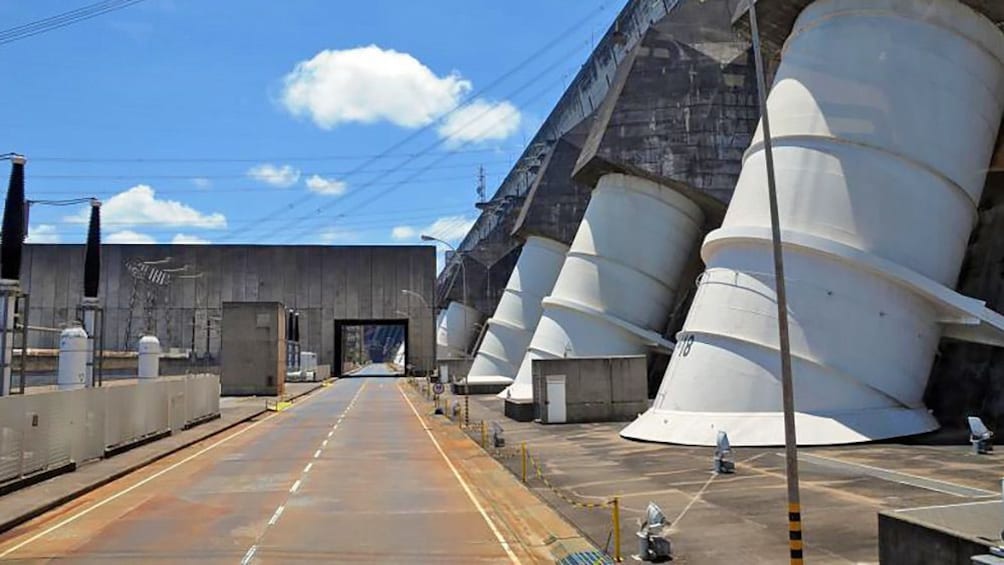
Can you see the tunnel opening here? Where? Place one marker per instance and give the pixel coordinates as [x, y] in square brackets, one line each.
[371, 347]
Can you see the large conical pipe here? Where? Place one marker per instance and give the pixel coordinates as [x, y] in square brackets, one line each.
[884, 115]
[455, 330]
[12, 235]
[619, 281]
[511, 328]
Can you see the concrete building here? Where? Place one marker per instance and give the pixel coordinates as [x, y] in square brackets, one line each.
[142, 289]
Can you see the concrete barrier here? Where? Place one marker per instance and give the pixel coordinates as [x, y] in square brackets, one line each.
[41, 432]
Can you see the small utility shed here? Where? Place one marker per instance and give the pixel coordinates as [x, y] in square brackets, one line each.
[590, 389]
[253, 349]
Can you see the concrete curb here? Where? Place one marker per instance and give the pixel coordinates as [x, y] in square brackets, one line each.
[36, 511]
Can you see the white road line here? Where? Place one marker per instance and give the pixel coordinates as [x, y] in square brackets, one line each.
[249, 555]
[324, 443]
[125, 491]
[295, 487]
[467, 489]
[307, 468]
[317, 454]
[275, 516]
[331, 433]
[954, 489]
[692, 501]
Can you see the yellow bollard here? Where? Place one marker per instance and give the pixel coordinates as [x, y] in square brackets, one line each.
[484, 435]
[522, 453]
[615, 514]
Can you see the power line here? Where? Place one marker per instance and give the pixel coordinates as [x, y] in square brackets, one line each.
[395, 216]
[84, 176]
[244, 189]
[335, 222]
[64, 19]
[289, 159]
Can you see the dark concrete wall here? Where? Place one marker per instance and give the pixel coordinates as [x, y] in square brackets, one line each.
[682, 109]
[903, 542]
[491, 237]
[968, 378]
[323, 282]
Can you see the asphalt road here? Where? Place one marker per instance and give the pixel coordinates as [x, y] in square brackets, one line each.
[348, 474]
[375, 370]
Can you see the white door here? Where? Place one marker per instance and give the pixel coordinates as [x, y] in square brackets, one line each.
[556, 399]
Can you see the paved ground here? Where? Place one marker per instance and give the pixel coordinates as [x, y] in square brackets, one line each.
[14, 507]
[741, 518]
[375, 370]
[348, 474]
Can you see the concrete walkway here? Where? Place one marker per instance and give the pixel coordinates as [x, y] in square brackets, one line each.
[741, 518]
[27, 503]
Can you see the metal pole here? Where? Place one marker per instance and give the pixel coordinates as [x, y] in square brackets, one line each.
[787, 389]
[522, 452]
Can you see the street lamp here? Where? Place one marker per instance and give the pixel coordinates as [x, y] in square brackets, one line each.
[463, 274]
[432, 316]
[463, 271]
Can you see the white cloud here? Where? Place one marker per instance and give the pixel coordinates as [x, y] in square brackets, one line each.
[182, 239]
[43, 233]
[202, 182]
[403, 232]
[128, 236]
[282, 177]
[140, 206]
[335, 235]
[449, 228]
[329, 187]
[481, 120]
[367, 85]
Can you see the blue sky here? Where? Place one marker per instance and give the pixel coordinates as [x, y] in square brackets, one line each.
[256, 122]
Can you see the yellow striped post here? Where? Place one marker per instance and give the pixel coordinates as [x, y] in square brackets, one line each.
[795, 533]
[484, 435]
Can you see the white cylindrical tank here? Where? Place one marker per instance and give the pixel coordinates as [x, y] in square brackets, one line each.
[73, 353]
[457, 328]
[884, 115]
[619, 281]
[149, 357]
[510, 329]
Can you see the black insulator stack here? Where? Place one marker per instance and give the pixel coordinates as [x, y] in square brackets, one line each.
[296, 327]
[289, 325]
[13, 230]
[92, 253]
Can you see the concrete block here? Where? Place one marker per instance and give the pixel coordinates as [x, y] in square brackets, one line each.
[254, 349]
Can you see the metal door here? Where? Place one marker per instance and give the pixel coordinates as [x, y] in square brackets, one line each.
[556, 399]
